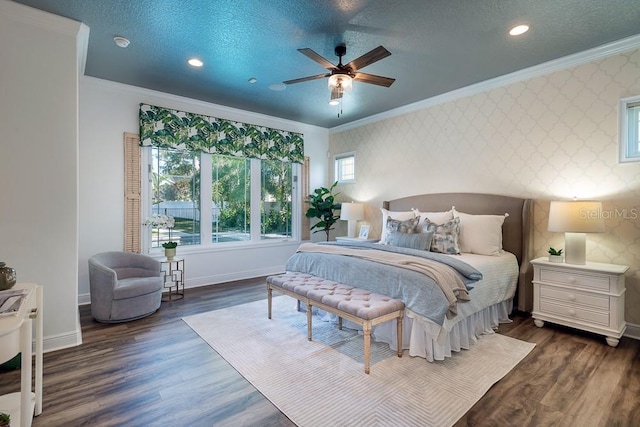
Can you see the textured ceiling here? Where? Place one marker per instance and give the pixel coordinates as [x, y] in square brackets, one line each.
[436, 46]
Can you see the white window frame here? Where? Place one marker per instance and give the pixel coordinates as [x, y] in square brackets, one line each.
[628, 149]
[205, 203]
[338, 167]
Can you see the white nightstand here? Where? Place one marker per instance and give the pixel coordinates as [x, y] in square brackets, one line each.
[588, 297]
[354, 239]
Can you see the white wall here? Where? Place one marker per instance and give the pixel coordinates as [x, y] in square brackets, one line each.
[107, 110]
[39, 160]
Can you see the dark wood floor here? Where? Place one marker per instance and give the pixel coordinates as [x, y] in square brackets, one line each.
[158, 372]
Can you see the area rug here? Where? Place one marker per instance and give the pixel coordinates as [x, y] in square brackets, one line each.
[322, 382]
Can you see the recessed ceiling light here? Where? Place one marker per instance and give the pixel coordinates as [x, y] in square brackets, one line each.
[277, 86]
[253, 80]
[195, 62]
[519, 29]
[121, 41]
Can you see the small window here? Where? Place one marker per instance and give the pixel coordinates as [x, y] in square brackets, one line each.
[346, 167]
[629, 143]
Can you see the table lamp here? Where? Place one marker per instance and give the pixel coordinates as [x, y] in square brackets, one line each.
[575, 219]
[351, 212]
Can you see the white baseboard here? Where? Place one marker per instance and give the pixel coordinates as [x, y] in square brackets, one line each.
[633, 331]
[58, 342]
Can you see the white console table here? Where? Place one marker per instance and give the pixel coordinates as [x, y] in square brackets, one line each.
[16, 336]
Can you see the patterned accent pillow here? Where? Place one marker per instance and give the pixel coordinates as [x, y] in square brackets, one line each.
[406, 226]
[420, 241]
[446, 238]
[399, 215]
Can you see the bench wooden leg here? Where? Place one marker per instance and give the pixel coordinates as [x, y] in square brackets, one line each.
[269, 292]
[399, 340]
[366, 328]
[309, 317]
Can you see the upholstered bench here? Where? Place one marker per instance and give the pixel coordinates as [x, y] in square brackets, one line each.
[359, 306]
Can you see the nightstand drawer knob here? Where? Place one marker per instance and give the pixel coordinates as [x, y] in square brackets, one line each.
[572, 312]
[571, 297]
[571, 279]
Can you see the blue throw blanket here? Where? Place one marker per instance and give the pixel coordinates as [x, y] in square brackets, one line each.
[418, 291]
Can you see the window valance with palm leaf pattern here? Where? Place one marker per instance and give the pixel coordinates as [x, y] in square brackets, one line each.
[166, 128]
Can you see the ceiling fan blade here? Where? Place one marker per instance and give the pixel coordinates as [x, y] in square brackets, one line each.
[373, 79]
[306, 79]
[309, 53]
[369, 58]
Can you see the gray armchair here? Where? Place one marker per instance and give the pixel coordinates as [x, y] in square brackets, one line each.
[124, 286]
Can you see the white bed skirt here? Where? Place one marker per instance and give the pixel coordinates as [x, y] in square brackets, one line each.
[425, 339]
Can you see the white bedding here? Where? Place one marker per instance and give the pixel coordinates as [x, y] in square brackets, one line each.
[491, 302]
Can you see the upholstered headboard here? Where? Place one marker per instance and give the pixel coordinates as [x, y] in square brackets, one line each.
[516, 230]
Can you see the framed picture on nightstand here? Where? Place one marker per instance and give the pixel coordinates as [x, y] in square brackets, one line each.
[364, 232]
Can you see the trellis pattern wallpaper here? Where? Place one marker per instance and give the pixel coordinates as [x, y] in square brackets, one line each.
[551, 137]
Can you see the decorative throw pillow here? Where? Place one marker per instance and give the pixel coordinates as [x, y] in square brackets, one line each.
[445, 236]
[399, 215]
[436, 217]
[407, 226]
[420, 241]
[480, 234]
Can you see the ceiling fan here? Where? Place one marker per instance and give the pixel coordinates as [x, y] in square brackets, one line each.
[342, 75]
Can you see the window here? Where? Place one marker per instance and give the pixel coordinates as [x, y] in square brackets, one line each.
[175, 191]
[277, 200]
[230, 199]
[629, 133]
[345, 167]
[245, 200]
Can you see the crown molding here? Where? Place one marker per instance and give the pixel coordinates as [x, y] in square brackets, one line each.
[580, 58]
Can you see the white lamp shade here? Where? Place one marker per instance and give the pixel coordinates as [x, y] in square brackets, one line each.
[352, 211]
[576, 217]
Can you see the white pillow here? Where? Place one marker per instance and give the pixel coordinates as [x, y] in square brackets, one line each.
[480, 234]
[434, 217]
[400, 216]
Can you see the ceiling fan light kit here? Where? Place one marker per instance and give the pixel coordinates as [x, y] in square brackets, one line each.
[338, 84]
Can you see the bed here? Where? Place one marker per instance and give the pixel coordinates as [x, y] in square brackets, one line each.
[505, 273]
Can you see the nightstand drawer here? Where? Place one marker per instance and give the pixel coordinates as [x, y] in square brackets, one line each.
[570, 278]
[575, 297]
[568, 311]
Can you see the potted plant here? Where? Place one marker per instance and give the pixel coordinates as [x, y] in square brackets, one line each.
[168, 222]
[555, 255]
[5, 419]
[322, 205]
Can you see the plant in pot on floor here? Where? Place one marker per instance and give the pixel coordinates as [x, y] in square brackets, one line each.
[322, 205]
[163, 221]
[555, 255]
